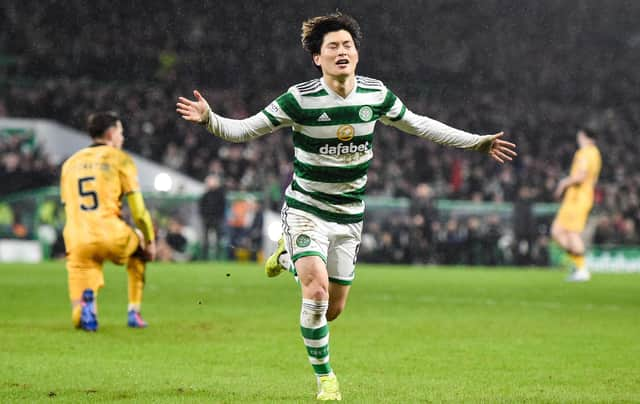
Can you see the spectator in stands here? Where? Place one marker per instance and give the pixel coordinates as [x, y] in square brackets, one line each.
[422, 213]
[524, 227]
[212, 206]
[172, 244]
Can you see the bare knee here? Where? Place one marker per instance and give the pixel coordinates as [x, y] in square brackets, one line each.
[316, 292]
[557, 234]
[576, 245]
[577, 250]
[338, 295]
[334, 311]
[313, 278]
[314, 288]
[561, 237]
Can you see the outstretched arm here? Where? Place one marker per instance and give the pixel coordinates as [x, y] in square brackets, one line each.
[194, 111]
[233, 130]
[499, 149]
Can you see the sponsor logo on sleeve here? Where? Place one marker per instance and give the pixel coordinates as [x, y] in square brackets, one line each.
[274, 108]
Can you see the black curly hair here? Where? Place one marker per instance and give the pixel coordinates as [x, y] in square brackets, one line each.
[314, 29]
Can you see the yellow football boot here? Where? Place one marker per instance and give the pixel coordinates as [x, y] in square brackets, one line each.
[328, 388]
[272, 266]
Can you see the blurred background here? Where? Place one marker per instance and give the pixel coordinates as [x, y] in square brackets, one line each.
[538, 70]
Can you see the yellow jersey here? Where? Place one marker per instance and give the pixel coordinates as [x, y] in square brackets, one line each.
[92, 183]
[589, 159]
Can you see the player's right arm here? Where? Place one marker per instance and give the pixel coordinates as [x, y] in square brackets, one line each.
[63, 197]
[233, 130]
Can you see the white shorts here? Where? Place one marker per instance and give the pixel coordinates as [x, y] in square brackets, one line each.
[337, 244]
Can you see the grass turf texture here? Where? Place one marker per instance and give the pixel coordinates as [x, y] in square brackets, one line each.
[223, 332]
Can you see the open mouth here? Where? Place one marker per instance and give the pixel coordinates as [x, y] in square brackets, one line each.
[342, 62]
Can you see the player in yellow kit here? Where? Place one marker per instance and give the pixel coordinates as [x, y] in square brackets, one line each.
[578, 189]
[92, 183]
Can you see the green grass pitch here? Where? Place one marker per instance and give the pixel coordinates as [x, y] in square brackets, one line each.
[224, 333]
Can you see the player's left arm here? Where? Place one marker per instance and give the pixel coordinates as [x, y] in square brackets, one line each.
[142, 219]
[139, 212]
[140, 215]
[405, 120]
[576, 177]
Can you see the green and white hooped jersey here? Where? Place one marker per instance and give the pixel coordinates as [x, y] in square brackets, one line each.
[333, 139]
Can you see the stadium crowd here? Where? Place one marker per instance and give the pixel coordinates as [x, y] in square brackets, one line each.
[537, 72]
[23, 164]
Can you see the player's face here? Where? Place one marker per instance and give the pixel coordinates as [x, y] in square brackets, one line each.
[338, 55]
[117, 135]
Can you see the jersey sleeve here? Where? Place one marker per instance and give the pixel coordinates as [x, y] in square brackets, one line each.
[596, 161]
[281, 112]
[580, 163]
[270, 119]
[128, 174]
[393, 108]
[397, 115]
[593, 158]
[141, 215]
[63, 192]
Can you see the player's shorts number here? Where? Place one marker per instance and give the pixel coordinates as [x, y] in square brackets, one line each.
[82, 184]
